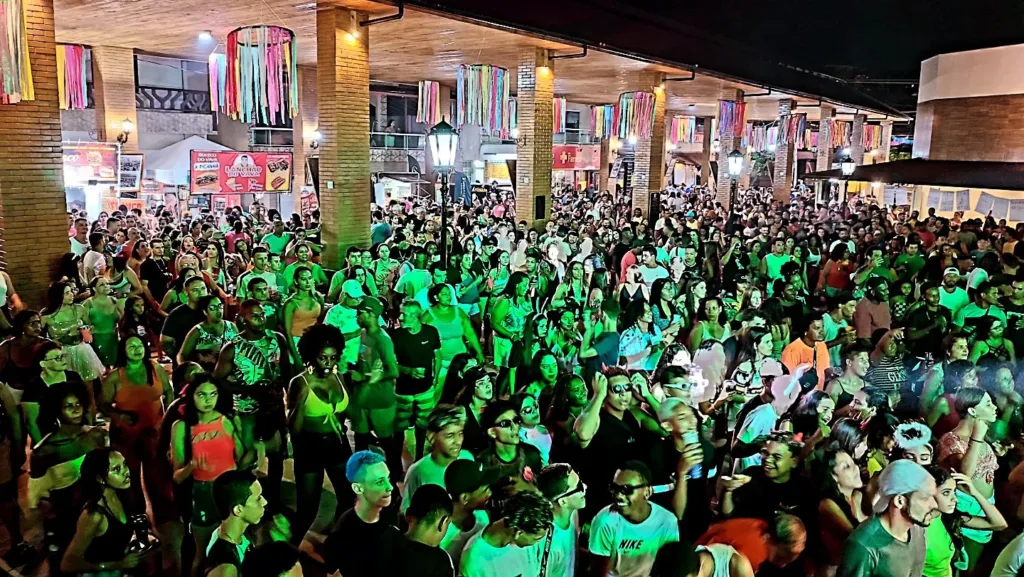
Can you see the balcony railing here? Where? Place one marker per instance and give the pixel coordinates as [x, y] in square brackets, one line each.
[574, 136]
[397, 140]
[172, 99]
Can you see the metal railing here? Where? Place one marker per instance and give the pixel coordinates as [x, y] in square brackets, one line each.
[172, 99]
[574, 136]
[397, 140]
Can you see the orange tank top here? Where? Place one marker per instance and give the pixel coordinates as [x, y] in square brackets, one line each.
[143, 400]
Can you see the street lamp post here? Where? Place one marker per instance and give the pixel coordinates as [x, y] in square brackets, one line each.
[735, 167]
[847, 165]
[444, 141]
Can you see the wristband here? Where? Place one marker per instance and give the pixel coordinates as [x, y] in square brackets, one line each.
[977, 441]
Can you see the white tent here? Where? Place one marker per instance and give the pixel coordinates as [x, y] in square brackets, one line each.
[170, 165]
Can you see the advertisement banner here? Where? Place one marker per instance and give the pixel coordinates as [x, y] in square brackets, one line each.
[90, 161]
[576, 157]
[131, 172]
[228, 172]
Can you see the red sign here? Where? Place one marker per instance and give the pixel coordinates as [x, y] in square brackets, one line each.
[84, 162]
[229, 172]
[576, 157]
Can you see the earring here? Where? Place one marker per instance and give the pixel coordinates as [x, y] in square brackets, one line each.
[334, 370]
[310, 369]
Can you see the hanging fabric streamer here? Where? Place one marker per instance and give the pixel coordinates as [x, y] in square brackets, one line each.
[15, 68]
[602, 118]
[513, 114]
[732, 119]
[71, 79]
[483, 95]
[428, 105]
[558, 111]
[256, 79]
[683, 130]
[634, 115]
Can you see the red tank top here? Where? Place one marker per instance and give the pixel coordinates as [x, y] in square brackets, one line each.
[214, 448]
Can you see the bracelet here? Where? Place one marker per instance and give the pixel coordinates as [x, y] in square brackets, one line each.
[977, 441]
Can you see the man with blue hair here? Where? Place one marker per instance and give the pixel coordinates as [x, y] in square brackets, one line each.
[354, 546]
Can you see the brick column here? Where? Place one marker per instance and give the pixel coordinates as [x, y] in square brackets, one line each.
[823, 160]
[113, 70]
[33, 211]
[857, 139]
[705, 154]
[782, 180]
[727, 144]
[343, 103]
[303, 126]
[649, 158]
[536, 120]
[883, 153]
[604, 169]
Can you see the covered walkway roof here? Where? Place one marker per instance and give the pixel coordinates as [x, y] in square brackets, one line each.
[434, 38]
[991, 175]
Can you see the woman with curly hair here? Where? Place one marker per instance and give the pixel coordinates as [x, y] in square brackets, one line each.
[317, 399]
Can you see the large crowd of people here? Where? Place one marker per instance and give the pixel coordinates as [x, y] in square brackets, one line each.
[776, 388]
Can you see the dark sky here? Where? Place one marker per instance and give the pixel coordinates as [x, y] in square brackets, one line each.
[886, 38]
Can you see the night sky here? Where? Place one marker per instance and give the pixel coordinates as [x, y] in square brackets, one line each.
[877, 38]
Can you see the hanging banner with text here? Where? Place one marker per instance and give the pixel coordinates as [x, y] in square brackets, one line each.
[576, 157]
[226, 172]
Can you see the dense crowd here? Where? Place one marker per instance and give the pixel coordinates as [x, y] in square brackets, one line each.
[797, 388]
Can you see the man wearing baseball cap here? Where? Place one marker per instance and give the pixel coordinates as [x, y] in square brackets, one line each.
[892, 543]
[343, 316]
[951, 296]
[469, 485]
[372, 383]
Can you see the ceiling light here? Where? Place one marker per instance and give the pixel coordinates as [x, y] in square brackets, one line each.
[206, 35]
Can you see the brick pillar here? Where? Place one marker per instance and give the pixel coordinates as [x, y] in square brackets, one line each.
[604, 168]
[823, 160]
[343, 103]
[33, 211]
[705, 153]
[782, 180]
[649, 159]
[536, 120]
[113, 70]
[303, 126]
[883, 153]
[727, 144]
[857, 139]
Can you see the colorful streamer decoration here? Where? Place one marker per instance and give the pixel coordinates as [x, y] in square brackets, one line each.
[601, 118]
[15, 68]
[791, 129]
[683, 130]
[732, 119]
[761, 138]
[71, 77]
[513, 114]
[256, 79]
[428, 107]
[483, 94]
[558, 111]
[634, 115]
[872, 137]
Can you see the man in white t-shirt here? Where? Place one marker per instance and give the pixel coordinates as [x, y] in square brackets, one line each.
[445, 434]
[650, 270]
[568, 494]
[625, 536]
[80, 242]
[951, 296]
[503, 549]
[94, 263]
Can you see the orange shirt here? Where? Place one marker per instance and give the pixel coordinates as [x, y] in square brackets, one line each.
[797, 353]
[747, 536]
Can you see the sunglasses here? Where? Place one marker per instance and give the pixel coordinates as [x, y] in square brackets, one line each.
[581, 487]
[507, 423]
[620, 389]
[624, 490]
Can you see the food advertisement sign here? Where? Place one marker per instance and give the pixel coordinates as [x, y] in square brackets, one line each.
[85, 162]
[226, 172]
[576, 157]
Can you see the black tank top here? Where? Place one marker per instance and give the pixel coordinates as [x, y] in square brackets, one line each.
[111, 545]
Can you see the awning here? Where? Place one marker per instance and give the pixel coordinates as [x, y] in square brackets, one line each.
[992, 175]
[407, 177]
[691, 158]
